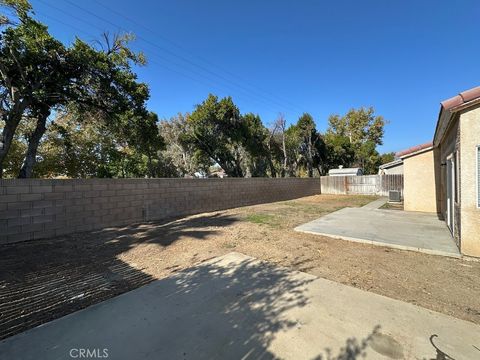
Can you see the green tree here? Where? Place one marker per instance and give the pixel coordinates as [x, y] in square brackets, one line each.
[257, 155]
[179, 151]
[387, 157]
[139, 133]
[38, 75]
[277, 147]
[365, 131]
[312, 146]
[219, 132]
[78, 149]
[293, 140]
[89, 147]
[339, 151]
[20, 62]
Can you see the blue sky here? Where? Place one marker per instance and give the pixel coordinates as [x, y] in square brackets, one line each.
[322, 57]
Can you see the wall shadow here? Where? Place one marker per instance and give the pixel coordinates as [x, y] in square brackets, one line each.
[439, 190]
[42, 280]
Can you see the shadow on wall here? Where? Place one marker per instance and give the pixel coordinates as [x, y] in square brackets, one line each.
[439, 186]
[42, 280]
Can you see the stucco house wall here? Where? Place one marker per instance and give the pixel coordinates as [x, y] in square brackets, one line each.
[419, 182]
[470, 212]
[394, 170]
[449, 145]
[456, 142]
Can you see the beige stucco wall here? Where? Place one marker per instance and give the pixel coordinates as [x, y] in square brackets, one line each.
[419, 183]
[470, 213]
[449, 145]
[394, 170]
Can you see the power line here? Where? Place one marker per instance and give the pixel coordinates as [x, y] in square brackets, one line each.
[178, 46]
[152, 61]
[247, 93]
[182, 58]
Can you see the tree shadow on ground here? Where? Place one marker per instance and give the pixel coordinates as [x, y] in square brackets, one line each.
[232, 307]
[353, 349]
[45, 279]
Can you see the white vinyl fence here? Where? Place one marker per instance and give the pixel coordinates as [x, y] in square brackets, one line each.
[362, 185]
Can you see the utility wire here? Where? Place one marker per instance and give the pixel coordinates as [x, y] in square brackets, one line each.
[182, 58]
[246, 92]
[166, 67]
[178, 46]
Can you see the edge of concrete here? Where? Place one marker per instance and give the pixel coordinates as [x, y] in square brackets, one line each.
[381, 244]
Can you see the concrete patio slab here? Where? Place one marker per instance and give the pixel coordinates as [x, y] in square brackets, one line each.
[235, 307]
[404, 230]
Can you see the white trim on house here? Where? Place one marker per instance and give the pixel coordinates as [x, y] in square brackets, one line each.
[451, 178]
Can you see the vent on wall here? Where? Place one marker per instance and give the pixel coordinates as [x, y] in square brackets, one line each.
[394, 196]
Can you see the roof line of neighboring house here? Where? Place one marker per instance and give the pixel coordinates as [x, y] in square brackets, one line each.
[415, 150]
[391, 164]
[449, 107]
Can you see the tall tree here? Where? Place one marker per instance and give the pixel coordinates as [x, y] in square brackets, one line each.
[179, 150]
[312, 146]
[218, 131]
[257, 157]
[39, 75]
[339, 151]
[364, 130]
[282, 125]
[17, 73]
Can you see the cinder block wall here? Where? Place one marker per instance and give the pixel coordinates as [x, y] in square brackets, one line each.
[34, 209]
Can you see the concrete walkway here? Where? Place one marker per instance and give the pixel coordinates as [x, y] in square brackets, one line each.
[422, 232]
[235, 307]
[376, 204]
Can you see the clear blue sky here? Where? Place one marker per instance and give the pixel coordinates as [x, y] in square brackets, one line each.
[271, 56]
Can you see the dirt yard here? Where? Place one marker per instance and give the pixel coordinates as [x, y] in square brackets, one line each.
[43, 280]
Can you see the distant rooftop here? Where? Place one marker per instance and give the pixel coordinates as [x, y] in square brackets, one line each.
[414, 149]
[345, 171]
[391, 164]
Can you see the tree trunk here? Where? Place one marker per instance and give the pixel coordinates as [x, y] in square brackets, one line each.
[150, 164]
[310, 156]
[6, 142]
[273, 171]
[33, 143]
[285, 158]
[11, 119]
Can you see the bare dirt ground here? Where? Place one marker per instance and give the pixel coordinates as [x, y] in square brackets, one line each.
[45, 279]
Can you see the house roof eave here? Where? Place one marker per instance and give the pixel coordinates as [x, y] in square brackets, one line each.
[450, 107]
